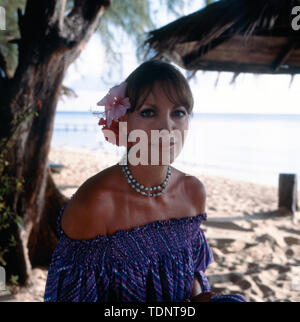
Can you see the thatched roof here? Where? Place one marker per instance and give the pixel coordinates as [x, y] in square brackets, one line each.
[254, 36]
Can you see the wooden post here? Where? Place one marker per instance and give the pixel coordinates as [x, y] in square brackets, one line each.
[288, 191]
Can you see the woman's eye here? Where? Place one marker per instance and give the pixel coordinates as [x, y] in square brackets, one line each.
[147, 113]
[180, 113]
[150, 113]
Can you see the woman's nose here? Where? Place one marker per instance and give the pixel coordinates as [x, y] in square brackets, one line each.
[166, 124]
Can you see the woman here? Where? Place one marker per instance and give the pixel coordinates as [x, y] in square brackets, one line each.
[131, 232]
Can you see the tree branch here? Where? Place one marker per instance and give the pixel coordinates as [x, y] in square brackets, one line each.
[4, 67]
[68, 92]
[45, 21]
[84, 14]
[41, 18]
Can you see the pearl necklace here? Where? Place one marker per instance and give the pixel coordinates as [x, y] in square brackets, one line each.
[139, 187]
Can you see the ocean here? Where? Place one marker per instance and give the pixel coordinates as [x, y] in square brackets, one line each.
[247, 147]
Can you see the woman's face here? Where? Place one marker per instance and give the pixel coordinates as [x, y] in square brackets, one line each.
[170, 122]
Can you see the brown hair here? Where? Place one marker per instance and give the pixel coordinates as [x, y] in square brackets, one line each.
[142, 80]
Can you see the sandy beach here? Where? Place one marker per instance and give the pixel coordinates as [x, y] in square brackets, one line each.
[256, 249]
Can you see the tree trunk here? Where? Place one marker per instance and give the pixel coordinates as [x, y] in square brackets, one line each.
[49, 43]
[43, 238]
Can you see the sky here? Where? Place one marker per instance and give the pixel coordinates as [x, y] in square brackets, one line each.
[265, 94]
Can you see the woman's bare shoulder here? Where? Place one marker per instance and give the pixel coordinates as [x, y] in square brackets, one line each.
[194, 183]
[192, 188]
[90, 207]
[195, 188]
[190, 181]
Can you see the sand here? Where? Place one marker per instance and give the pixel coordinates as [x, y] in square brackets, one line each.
[256, 248]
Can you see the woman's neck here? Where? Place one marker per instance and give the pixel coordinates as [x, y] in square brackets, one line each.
[148, 175]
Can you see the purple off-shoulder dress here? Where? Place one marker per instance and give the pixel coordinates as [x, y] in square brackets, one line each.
[151, 263]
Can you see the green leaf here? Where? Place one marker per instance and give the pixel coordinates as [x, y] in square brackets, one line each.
[2, 261]
[19, 186]
[14, 279]
[12, 241]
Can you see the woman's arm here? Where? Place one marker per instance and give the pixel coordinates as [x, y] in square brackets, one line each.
[86, 214]
[197, 189]
[199, 200]
[197, 295]
[196, 287]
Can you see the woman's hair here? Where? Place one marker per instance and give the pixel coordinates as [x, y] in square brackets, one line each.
[142, 80]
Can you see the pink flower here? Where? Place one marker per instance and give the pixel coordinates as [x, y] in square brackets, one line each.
[115, 102]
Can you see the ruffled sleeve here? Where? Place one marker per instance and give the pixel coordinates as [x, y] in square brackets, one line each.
[203, 257]
[71, 283]
[72, 274]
